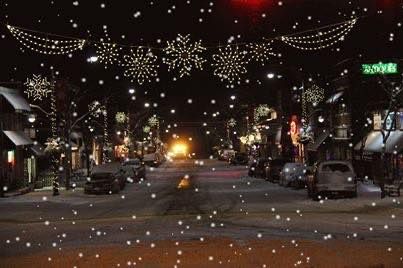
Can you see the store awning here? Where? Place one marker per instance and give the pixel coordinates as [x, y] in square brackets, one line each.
[15, 99]
[335, 97]
[18, 137]
[318, 141]
[374, 140]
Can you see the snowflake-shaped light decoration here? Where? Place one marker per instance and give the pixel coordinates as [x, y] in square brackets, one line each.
[96, 109]
[262, 110]
[183, 55]
[120, 117]
[146, 129]
[140, 65]
[153, 121]
[107, 53]
[261, 52]
[231, 122]
[314, 95]
[37, 87]
[230, 64]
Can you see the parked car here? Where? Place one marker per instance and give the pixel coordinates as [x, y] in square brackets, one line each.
[293, 174]
[273, 169]
[333, 177]
[239, 159]
[153, 159]
[134, 169]
[104, 182]
[257, 167]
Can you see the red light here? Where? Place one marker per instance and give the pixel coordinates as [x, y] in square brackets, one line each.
[251, 3]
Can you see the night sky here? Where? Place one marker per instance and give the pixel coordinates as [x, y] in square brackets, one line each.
[214, 22]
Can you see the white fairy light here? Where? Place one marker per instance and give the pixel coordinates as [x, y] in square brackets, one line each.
[37, 87]
[140, 65]
[183, 55]
[230, 64]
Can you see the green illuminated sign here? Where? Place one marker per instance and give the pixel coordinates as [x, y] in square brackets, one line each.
[379, 68]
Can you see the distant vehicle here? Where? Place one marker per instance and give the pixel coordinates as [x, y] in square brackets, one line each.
[178, 150]
[239, 159]
[226, 154]
[134, 169]
[273, 169]
[293, 174]
[333, 177]
[257, 167]
[104, 182]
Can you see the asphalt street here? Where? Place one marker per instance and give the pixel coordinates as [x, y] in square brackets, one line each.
[219, 201]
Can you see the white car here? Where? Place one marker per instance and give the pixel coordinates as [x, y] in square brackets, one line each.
[334, 177]
[292, 174]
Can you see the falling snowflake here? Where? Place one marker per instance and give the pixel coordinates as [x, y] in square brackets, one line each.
[183, 55]
[230, 64]
[140, 65]
[260, 52]
[107, 53]
[120, 117]
[37, 87]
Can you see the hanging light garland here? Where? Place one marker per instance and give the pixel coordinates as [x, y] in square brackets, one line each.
[183, 55]
[37, 87]
[322, 39]
[46, 45]
[261, 52]
[140, 65]
[230, 64]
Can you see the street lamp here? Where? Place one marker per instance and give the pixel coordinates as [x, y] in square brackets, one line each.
[92, 59]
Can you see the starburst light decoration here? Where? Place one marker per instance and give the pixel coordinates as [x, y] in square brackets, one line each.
[314, 95]
[37, 87]
[230, 64]
[261, 52]
[107, 53]
[146, 129]
[96, 109]
[231, 122]
[183, 55]
[120, 117]
[262, 110]
[140, 65]
[153, 121]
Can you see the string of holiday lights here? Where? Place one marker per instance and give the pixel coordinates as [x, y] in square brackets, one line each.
[46, 45]
[321, 40]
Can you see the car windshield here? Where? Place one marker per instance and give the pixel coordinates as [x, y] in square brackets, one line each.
[336, 167]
